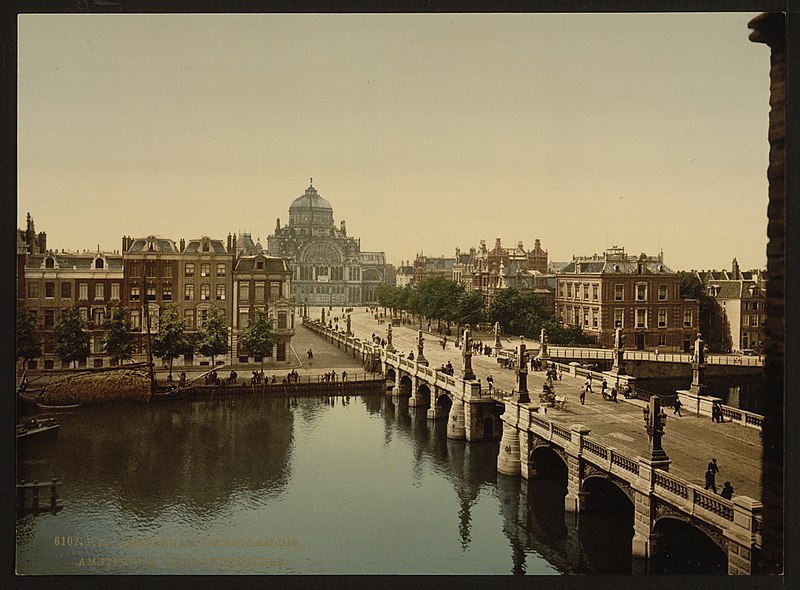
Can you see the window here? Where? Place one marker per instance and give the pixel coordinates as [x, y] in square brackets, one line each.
[49, 289]
[99, 291]
[282, 320]
[641, 292]
[259, 291]
[746, 321]
[662, 292]
[49, 318]
[99, 263]
[151, 292]
[188, 318]
[221, 291]
[115, 291]
[618, 292]
[662, 339]
[205, 269]
[220, 269]
[66, 290]
[135, 293]
[97, 348]
[166, 270]
[203, 316]
[135, 270]
[561, 289]
[188, 269]
[585, 317]
[151, 269]
[98, 317]
[166, 292]
[84, 311]
[594, 292]
[205, 292]
[746, 306]
[49, 262]
[594, 318]
[586, 291]
[687, 318]
[33, 290]
[754, 321]
[188, 292]
[244, 291]
[274, 290]
[83, 291]
[136, 320]
[641, 318]
[662, 317]
[244, 318]
[569, 290]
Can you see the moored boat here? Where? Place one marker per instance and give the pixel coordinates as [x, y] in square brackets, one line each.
[37, 430]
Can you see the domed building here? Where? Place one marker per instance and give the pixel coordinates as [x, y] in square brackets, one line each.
[328, 266]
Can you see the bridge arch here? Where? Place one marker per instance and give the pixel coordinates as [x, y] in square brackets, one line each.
[391, 375]
[606, 526]
[547, 463]
[424, 394]
[682, 547]
[405, 385]
[444, 402]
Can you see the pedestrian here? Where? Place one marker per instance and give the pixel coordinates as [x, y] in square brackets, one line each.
[727, 490]
[310, 354]
[559, 372]
[583, 395]
[490, 381]
[603, 388]
[588, 384]
[711, 474]
[676, 406]
[710, 485]
[614, 393]
[344, 375]
[479, 386]
[716, 412]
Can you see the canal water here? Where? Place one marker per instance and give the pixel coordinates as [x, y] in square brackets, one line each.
[311, 485]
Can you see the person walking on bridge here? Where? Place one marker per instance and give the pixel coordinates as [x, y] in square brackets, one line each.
[676, 407]
[711, 474]
[727, 490]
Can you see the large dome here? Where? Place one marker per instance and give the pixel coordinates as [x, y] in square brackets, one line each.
[310, 199]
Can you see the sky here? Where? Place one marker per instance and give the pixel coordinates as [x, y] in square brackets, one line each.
[424, 132]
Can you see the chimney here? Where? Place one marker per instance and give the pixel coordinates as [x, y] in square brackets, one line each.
[229, 243]
[183, 245]
[735, 270]
[42, 242]
[234, 243]
[497, 243]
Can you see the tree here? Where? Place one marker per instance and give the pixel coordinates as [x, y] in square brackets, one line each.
[71, 337]
[119, 340]
[259, 337]
[29, 342]
[690, 286]
[212, 337]
[469, 309]
[171, 340]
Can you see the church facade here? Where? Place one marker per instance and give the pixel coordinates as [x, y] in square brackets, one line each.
[328, 266]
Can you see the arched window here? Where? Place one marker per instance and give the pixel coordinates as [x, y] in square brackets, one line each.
[98, 263]
[49, 262]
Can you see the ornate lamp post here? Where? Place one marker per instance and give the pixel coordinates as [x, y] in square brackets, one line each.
[389, 347]
[497, 344]
[420, 357]
[654, 421]
[522, 374]
[466, 353]
[619, 352]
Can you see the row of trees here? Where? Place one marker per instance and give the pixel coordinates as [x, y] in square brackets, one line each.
[444, 300]
[71, 336]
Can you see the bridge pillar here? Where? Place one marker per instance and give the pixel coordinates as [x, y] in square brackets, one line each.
[742, 536]
[575, 500]
[434, 411]
[508, 460]
[644, 543]
[455, 422]
[417, 399]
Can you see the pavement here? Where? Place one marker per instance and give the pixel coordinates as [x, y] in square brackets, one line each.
[690, 441]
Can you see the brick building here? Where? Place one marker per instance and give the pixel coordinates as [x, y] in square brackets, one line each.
[639, 294]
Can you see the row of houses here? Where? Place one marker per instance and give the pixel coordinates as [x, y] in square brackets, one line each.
[599, 293]
[146, 275]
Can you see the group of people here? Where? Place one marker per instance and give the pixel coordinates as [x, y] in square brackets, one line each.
[711, 475]
[716, 413]
[332, 376]
[447, 369]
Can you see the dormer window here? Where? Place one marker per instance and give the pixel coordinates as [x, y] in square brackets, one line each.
[206, 247]
[150, 246]
[260, 265]
[49, 262]
[98, 263]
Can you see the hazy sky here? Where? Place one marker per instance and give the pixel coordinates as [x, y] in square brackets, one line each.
[425, 132]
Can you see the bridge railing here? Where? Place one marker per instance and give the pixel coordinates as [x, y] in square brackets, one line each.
[692, 498]
[743, 417]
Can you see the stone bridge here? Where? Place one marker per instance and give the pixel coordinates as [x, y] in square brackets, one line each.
[528, 437]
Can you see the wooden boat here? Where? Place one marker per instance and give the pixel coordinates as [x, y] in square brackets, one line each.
[37, 430]
[56, 408]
